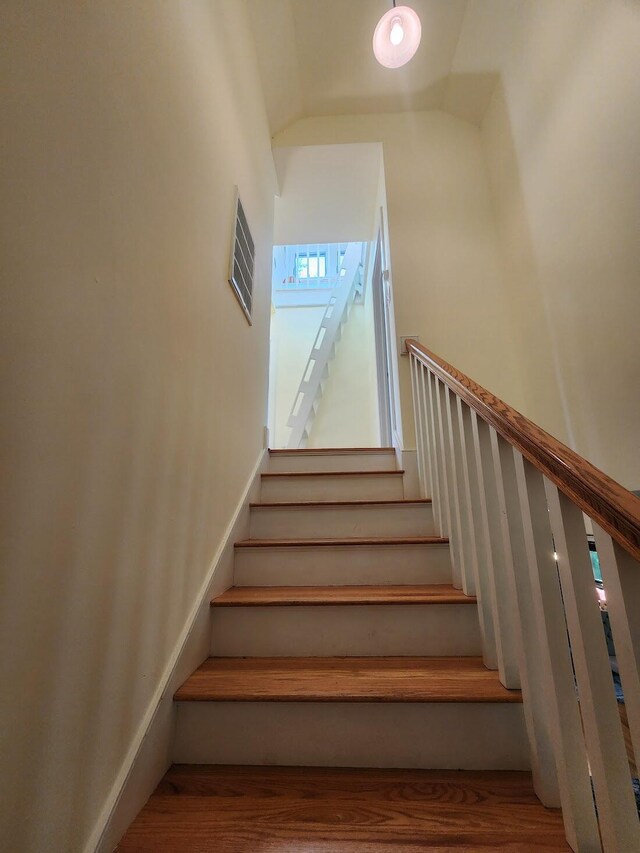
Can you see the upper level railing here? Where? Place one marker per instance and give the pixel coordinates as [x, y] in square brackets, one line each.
[316, 266]
[511, 499]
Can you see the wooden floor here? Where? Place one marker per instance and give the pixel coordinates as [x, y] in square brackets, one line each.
[331, 504]
[322, 810]
[366, 541]
[267, 596]
[347, 679]
[626, 733]
[384, 472]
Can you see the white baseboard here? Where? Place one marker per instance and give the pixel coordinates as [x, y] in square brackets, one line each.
[409, 462]
[150, 753]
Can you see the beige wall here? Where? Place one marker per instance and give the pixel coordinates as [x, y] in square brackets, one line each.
[327, 193]
[134, 391]
[561, 141]
[446, 270]
[293, 332]
[348, 412]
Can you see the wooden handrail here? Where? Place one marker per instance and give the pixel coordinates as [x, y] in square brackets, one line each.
[609, 504]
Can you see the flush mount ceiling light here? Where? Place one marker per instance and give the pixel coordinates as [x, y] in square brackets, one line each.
[397, 36]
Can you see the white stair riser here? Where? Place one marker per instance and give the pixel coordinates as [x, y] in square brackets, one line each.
[350, 488]
[367, 734]
[334, 630]
[324, 565]
[354, 461]
[349, 521]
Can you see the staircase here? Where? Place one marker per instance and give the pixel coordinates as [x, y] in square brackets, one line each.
[370, 630]
[344, 644]
[343, 641]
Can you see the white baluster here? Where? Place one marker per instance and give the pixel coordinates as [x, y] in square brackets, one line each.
[452, 479]
[445, 451]
[426, 466]
[617, 813]
[443, 499]
[531, 672]
[558, 684]
[474, 501]
[498, 557]
[431, 451]
[426, 460]
[621, 580]
[467, 542]
[417, 419]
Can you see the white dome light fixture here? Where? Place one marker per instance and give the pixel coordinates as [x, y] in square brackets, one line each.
[397, 36]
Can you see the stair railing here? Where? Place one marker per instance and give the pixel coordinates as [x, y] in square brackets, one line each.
[511, 499]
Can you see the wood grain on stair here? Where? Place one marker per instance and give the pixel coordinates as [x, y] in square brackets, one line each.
[328, 504]
[268, 596]
[331, 451]
[355, 541]
[628, 744]
[325, 810]
[280, 474]
[348, 679]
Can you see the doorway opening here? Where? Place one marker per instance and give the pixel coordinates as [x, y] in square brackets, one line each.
[332, 357]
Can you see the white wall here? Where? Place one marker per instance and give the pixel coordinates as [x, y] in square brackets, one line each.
[293, 332]
[561, 143]
[348, 411]
[327, 193]
[275, 39]
[134, 391]
[447, 275]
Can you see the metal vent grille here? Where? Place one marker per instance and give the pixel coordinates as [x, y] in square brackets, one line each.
[242, 261]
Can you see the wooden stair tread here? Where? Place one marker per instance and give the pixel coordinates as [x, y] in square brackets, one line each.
[355, 541]
[269, 596]
[233, 809]
[334, 451]
[345, 679]
[400, 502]
[279, 474]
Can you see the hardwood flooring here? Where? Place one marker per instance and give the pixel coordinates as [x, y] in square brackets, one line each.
[328, 474]
[328, 451]
[267, 596]
[328, 504]
[368, 542]
[626, 733]
[326, 810]
[348, 679]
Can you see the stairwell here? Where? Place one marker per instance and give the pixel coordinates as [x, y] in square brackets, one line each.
[344, 644]
[316, 371]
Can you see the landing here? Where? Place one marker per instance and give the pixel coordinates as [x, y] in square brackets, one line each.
[322, 810]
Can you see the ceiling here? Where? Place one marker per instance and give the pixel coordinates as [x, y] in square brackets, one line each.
[316, 58]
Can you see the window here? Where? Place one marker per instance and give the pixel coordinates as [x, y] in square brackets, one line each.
[311, 266]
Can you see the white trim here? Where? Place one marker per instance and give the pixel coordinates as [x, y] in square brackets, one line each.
[408, 462]
[383, 367]
[149, 755]
[395, 402]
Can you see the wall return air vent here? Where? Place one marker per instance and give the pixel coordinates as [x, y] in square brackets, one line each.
[242, 266]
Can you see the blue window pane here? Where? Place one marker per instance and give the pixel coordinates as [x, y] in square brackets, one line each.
[595, 563]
